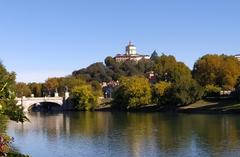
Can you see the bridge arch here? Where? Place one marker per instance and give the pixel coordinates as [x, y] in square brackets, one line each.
[44, 107]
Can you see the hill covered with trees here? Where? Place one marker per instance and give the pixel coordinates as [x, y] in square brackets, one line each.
[174, 83]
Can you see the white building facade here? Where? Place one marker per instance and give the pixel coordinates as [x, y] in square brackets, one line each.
[237, 56]
[130, 54]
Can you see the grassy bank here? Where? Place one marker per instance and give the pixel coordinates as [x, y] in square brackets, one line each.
[224, 105]
[213, 105]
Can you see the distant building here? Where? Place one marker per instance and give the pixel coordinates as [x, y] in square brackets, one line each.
[108, 87]
[237, 56]
[130, 54]
[151, 77]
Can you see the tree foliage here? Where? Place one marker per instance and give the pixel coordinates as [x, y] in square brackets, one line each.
[184, 90]
[133, 92]
[160, 91]
[36, 89]
[22, 89]
[218, 70]
[7, 96]
[8, 108]
[84, 97]
[51, 85]
[211, 90]
[113, 70]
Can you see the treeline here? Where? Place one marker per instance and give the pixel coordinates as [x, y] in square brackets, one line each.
[174, 85]
[113, 70]
[84, 94]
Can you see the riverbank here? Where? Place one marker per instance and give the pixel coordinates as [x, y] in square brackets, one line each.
[213, 106]
[218, 106]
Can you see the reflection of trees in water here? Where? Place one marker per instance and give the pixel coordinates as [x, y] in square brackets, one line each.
[209, 133]
[89, 123]
[220, 133]
[180, 134]
[141, 134]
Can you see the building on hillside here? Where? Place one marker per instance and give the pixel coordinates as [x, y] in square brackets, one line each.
[151, 77]
[130, 54]
[108, 88]
[237, 56]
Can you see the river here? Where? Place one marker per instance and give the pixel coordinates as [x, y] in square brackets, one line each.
[119, 134]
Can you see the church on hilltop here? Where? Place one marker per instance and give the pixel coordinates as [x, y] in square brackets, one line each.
[130, 54]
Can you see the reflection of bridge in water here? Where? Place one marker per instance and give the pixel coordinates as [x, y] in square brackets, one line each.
[49, 103]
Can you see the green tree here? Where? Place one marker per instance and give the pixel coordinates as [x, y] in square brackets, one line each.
[51, 84]
[212, 90]
[84, 98]
[160, 91]
[184, 89]
[97, 71]
[184, 92]
[133, 92]
[69, 83]
[109, 61]
[8, 108]
[36, 89]
[113, 70]
[165, 68]
[7, 96]
[22, 89]
[218, 70]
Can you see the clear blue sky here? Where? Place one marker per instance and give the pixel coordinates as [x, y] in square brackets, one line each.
[46, 38]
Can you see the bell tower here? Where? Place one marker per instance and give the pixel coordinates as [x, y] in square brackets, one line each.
[131, 50]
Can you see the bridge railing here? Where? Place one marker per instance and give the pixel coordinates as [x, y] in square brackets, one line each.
[39, 97]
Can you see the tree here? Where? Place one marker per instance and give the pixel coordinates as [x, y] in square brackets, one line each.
[84, 98]
[51, 85]
[8, 105]
[113, 70]
[212, 90]
[129, 68]
[217, 70]
[165, 67]
[97, 89]
[69, 83]
[160, 91]
[8, 108]
[109, 61]
[184, 90]
[97, 71]
[22, 89]
[133, 92]
[36, 89]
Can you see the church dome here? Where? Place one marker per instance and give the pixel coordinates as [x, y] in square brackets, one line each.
[131, 49]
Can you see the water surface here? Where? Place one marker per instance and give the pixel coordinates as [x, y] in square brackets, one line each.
[114, 134]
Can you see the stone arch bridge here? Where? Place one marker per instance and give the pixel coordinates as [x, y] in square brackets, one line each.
[28, 103]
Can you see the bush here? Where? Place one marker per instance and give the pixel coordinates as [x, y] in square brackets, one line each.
[133, 92]
[159, 92]
[84, 98]
[212, 91]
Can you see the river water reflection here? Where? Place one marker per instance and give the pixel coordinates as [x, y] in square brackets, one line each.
[116, 134]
